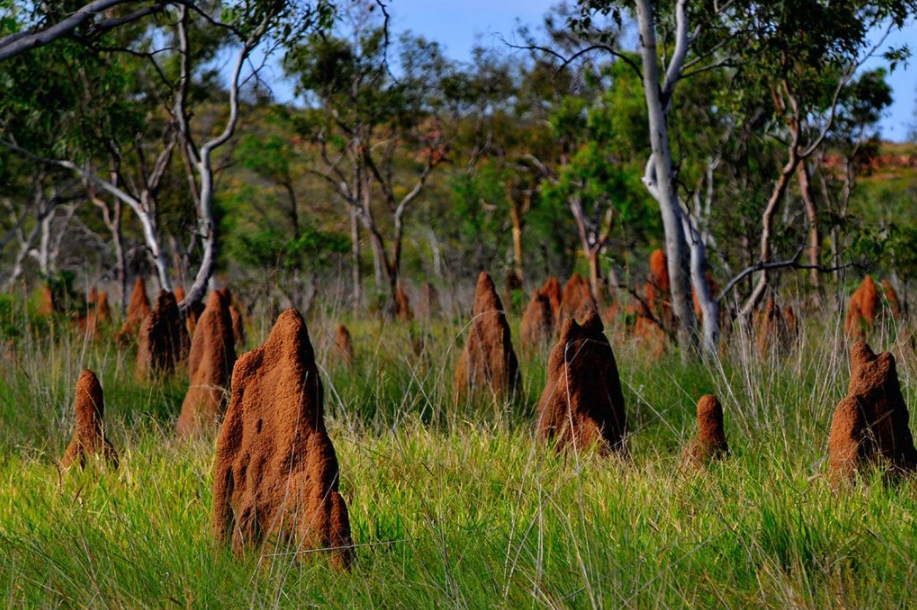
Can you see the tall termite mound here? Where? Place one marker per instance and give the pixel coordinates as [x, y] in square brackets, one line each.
[137, 310]
[343, 345]
[210, 365]
[870, 424]
[582, 404]
[276, 475]
[102, 308]
[163, 342]
[47, 304]
[654, 313]
[551, 289]
[777, 329]
[710, 443]
[577, 300]
[403, 309]
[488, 363]
[864, 306]
[89, 438]
[538, 320]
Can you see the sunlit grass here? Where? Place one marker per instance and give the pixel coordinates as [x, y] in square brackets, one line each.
[458, 505]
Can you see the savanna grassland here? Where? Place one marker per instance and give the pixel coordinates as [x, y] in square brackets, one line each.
[460, 505]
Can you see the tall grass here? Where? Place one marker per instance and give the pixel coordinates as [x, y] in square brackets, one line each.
[458, 505]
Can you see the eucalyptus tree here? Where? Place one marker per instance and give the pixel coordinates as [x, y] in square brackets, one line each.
[377, 132]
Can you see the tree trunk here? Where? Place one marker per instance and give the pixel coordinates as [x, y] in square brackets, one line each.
[595, 273]
[814, 250]
[662, 185]
[356, 296]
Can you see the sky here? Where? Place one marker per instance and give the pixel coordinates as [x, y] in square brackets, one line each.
[461, 24]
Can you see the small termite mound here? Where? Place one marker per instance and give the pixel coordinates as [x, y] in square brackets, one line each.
[863, 309]
[276, 476]
[537, 321]
[488, 363]
[710, 443]
[871, 424]
[89, 439]
[577, 300]
[210, 365]
[163, 342]
[343, 345]
[137, 310]
[582, 404]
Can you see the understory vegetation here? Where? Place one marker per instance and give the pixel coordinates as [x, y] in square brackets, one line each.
[459, 505]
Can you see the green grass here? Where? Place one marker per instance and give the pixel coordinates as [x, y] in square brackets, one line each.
[459, 506]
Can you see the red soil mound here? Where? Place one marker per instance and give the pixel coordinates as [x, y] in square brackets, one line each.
[403, 309]
[93, 296]
[488, 362]
[710, 443]
[276, 474]
[343, 344]
[870, 424]
[210, 365]
[551, 289]
[777, 329]
[137, 310]
[577, 298]
[864, 305]
[238, 326]
[47, 305]
[90, 437]
[538, 320]
[163, 341]
[103, 310]
[582, 404]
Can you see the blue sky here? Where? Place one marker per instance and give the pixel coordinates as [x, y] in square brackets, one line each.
[460, 24]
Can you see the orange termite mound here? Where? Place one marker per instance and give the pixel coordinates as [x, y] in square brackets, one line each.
[163, 341]
[488, 362]
[238, 325]
[47, 305]
[658, 286]
[710, 443]
[403, 309]
[93, 296]
[538, 320]
[654, 314]
[210, 366]
[103, 310]
[864, 305]
[90, 437]
[582, 404]
[137, 310]
[276, 474]
[430, 300]
[551, 289]
[577, 300]
[777, 328]
[870, 424]
[891, 295]
[343, 344]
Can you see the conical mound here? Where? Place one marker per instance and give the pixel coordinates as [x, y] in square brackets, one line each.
[776, 329]
[582, 404]
[551, 289]
[276, 474]
[870, 424]
[163, 340]
[538, 320]
[137, 310]
[710, 443]
[577, 300]
[89, 438]
[210, 365]
[343, 344]
[864, 306]
[488, 363]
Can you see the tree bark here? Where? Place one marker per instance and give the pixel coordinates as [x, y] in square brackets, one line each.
[659, 178]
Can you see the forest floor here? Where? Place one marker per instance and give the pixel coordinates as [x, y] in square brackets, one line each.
[459, 505]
